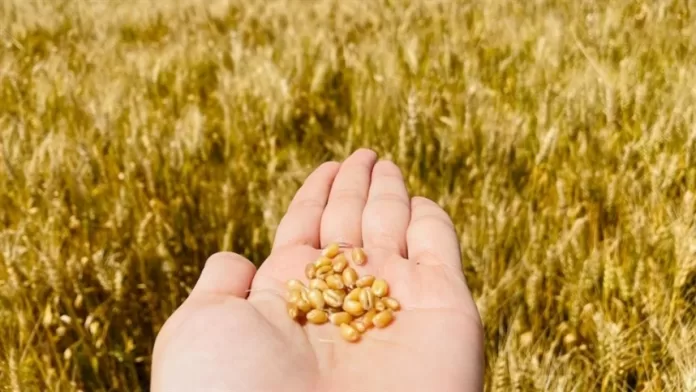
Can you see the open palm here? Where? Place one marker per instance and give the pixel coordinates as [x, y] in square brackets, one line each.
[233, 333]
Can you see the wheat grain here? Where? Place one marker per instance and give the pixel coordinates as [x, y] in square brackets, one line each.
[358, 256]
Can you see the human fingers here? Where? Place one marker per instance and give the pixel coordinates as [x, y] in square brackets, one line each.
[342, 218]
[300, 225]
[225, 273]
[387, 212]
[433, 243]
[431, 237]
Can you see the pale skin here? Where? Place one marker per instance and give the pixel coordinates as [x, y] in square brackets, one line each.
[233, 332]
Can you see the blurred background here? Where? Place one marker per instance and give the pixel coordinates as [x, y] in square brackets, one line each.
[139, 137]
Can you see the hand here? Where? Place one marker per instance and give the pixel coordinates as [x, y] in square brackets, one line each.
[222, 340]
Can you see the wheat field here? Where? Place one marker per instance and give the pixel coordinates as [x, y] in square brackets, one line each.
[139, 137]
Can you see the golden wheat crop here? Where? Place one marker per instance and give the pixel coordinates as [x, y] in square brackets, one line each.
[138, 137]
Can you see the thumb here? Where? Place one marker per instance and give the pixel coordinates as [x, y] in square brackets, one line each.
[225, 273]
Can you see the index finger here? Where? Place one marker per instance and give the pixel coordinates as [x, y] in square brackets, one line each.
[301, 223]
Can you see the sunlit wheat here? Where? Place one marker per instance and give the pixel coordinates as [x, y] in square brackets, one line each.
[136, 140]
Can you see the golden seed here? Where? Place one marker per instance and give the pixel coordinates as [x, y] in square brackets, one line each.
[365, 281]
[298, 294]
[294, 295]
[383, 318]
[317, 283]
[293, 311]
[324, 271]
[340, 263]
[349, 333]
[354, 294]
[368, 317]
[340, 318]
[316, 316]
[331, 251]
[316, 299]
[295, 284]
[380, 306]
[380, 287]
[310, 271]
[334, 282]
[367, 299]
[359, 257]
[353, 307]
[303, 305]
[359, 326]
[350, 277]
[391, 303]
[322, 261]
[334, 298]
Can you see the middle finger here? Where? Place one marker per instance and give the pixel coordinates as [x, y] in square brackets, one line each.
[342, 218]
